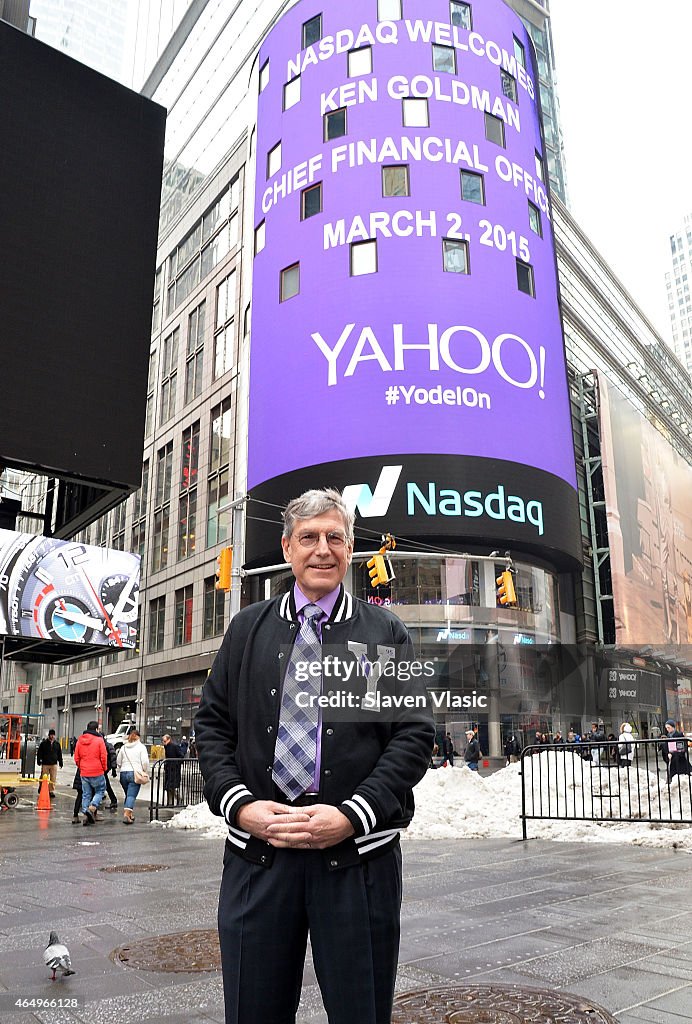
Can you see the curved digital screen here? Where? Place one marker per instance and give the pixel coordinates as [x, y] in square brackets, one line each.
[405, 297]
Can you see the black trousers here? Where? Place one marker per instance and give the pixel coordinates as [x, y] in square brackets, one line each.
[352, 915]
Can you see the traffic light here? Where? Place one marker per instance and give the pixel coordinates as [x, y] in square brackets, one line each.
[506, 593]
[224, 564]
[378, 571]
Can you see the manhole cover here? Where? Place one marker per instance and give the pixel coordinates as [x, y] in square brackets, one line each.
[133, 869]
[495, 1004]
[182, 952]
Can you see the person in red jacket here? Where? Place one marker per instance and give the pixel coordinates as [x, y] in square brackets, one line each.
[91, 757]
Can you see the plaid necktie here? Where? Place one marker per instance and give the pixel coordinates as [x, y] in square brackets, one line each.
[295, 753]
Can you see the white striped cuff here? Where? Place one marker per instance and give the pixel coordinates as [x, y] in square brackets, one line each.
[364, 811]
[231, 798]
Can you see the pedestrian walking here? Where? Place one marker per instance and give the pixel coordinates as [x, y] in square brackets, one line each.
[473, 750]
[512, 749]
[675, 751]
[171, 770]
[77, 784]
[49, 756]
[91, 758]
[625, 747]
[448, 749]
[314, 804]
[183, 746]
[133, 762]
[112, 769]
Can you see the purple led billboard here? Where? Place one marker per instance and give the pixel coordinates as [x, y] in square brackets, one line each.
[406, 336]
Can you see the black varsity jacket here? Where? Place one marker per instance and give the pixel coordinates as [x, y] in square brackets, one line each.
[370, 761]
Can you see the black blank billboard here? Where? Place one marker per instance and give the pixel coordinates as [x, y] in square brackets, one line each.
[80, 178]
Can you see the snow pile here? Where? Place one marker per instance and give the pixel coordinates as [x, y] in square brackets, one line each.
[455, 803]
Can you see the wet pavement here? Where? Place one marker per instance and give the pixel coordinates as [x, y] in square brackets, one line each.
[607, 923]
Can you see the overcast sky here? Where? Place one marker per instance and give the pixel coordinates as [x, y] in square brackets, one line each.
[625, 84]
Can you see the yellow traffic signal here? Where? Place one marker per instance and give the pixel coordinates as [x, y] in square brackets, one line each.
[224, 564]
[378, 571]
[506, 593]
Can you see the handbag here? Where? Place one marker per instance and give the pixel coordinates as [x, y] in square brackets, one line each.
[140, 777]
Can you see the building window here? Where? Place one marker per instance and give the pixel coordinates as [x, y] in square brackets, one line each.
[157, 623]
[535, 220]
[444, 59]
[494, 129]
[525, 281]
[219, 473]
[335, 124]
[509, 85]
[292, 93]
[101, 531]
[311, 201]
[208, 243]
[151, 385]
[119, 516]
[460, 14]
[312, 31]
[363, 258]
[187, 505]
[139, 513]
[183, 616]
[224, 330]
[214, 602]
[472, 187]
[260, 237]
[519, 52]
[395, 180]
[540, 170]
[194, 357]
[169, 375]
[415, 113]
[455, 256]
[264, 76]
[290, 282]
[162, 507]
[389, 10]
[156, 313]
[274, 160]
[360, 61]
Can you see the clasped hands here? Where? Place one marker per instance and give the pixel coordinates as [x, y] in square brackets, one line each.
[316, 827]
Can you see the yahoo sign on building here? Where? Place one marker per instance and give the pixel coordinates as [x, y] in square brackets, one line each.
[406, 336]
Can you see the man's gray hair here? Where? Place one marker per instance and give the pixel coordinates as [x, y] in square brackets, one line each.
[316, 503]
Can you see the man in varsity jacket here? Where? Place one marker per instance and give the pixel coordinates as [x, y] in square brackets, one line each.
[314, 796]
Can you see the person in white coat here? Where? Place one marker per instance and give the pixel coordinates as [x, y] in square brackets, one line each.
[133, 762]
[625, 746]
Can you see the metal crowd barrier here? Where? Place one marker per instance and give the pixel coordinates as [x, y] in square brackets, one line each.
[589, 781]
[175, 783]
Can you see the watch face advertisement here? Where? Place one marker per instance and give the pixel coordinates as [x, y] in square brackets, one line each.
[406, 334]
[60, 590]
[647, 491]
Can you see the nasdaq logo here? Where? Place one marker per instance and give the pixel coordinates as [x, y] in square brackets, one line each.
[359, 497]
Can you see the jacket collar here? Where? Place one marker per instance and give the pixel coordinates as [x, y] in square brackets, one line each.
[342, 610]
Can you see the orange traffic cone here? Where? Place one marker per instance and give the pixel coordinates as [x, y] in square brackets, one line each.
[44, 795]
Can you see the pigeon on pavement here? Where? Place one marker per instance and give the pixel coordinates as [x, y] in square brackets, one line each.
[57, 956]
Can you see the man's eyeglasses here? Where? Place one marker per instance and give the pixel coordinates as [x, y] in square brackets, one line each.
[335, 540]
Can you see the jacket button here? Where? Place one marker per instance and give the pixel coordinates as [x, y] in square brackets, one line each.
[330, 732]
[293, 625]
[263, 859]
[333, 863]
[328, 771]
[326, 626]
[330, 693]
[272, 693]
[270, 728]
[270, 767]
[281, 654]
